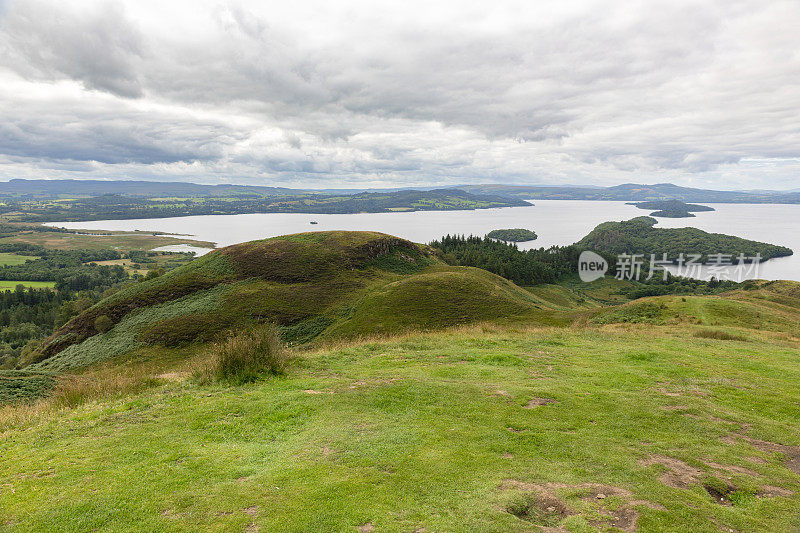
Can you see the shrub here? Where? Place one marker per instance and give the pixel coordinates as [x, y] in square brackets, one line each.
[244, 357]
[103, 323]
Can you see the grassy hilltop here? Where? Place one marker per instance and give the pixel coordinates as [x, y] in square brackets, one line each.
[325, 284]
[561, 406]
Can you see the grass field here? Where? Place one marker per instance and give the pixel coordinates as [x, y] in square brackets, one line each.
[14, 259]
[6, 285]
[480, 429]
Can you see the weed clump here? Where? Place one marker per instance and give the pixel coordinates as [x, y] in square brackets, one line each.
[246, 356]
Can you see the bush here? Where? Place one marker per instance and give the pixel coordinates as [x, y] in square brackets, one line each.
[244, 357]
[103, 323]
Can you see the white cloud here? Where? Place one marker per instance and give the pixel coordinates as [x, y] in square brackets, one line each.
[347, 93]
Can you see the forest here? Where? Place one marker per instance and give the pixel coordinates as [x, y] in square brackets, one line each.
[531, 267]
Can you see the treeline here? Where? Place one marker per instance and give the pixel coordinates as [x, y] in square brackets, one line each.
[28, 315]
[10, 230]
[70, 269]
[530, 267]
[675, 285]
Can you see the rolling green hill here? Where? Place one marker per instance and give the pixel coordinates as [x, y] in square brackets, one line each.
[328, 284]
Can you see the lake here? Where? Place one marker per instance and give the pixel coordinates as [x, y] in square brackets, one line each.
[557, 222]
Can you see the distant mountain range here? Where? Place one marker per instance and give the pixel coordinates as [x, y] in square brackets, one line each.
[148, 189]
[152, 189]
[637, 192]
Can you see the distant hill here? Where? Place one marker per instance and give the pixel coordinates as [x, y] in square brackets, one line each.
[637, 192]
[146, 189]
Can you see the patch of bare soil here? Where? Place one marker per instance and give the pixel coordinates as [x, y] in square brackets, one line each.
[547, 509]
[251, 511]
[366, 528]
[791, 452]
[768, 491]
[674, 407]
[733, 469]
[680, 475]
[537, 402]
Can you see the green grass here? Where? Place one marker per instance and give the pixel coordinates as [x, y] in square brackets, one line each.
[7, 259]
[429, 431]
[6, 285]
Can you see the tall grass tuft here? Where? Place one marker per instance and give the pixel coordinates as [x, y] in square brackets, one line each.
[245, 356]
[718, 335]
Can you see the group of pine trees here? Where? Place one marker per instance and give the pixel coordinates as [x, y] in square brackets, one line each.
[528, 267]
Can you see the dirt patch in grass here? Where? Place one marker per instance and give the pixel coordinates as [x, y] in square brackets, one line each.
[733, 469]
[768, 491]
[366, 528]
[679, 474]
[251, 511]
[792, 453]
[541, 504]
[537, 402]
[674, 407]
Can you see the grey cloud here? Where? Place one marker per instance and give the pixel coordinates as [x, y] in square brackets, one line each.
[110, 135]
[98, 47]
[606, 94]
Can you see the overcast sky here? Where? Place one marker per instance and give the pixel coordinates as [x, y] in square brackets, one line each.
[373, 94]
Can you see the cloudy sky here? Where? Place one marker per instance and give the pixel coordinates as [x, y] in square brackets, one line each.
[373, 94]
